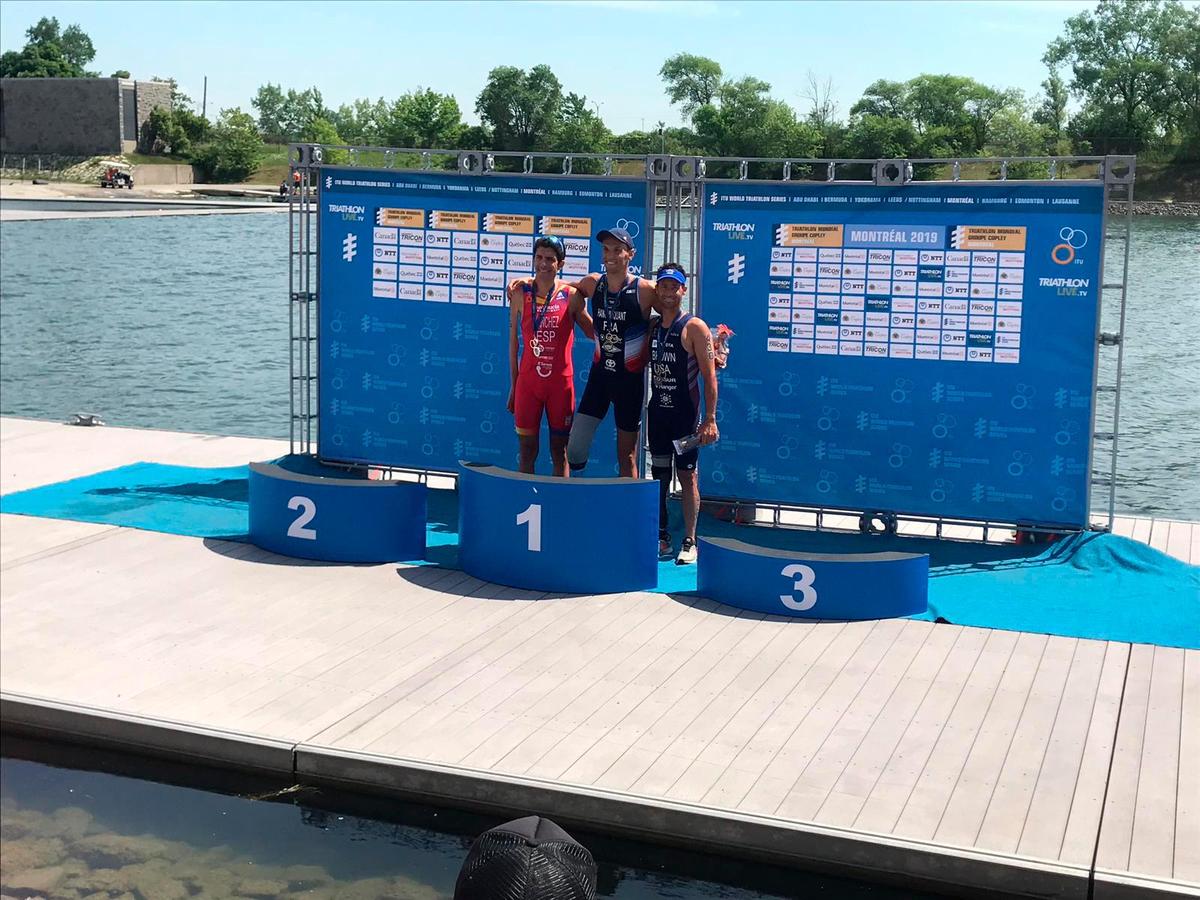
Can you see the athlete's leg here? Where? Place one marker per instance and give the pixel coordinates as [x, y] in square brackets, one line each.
[593, 406]
[660, 468]
[527, 416]
[529, 446]
[558, 455]
[560, 407]
[628, 400]
[689, 500]
[627, 453]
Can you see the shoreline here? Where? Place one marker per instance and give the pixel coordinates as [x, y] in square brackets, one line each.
[21, 190]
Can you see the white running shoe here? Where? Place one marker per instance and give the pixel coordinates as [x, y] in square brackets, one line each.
[687, 553]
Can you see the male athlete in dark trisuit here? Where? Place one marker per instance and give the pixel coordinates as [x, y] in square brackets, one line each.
[681, 353]
[621, 305]
[542, 319]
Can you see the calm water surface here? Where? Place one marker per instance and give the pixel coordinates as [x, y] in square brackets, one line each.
[181, 323]
[88, 833]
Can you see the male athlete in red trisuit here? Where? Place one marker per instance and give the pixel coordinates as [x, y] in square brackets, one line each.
[542, 317]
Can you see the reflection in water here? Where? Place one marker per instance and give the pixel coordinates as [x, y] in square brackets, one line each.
[72, 834]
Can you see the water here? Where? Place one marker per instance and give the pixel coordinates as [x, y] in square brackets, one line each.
[91, 826]
[181, 323]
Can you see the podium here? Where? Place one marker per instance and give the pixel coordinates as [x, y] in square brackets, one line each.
[568, 535]
[300, 509]
[813, 585]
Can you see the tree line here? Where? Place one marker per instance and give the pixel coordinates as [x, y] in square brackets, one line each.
[1121, 78]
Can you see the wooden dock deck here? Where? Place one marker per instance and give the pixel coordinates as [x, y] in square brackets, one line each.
[965, 759]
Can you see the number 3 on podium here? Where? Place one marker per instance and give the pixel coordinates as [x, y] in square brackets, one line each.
[804, 584]
[532, 516]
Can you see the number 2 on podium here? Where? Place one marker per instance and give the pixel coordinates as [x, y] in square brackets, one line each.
[532, 516]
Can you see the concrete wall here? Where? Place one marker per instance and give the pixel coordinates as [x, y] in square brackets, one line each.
[75, 116]
[162, 174]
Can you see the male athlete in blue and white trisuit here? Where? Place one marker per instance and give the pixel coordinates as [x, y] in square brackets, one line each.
[681, 353]
[621, 305]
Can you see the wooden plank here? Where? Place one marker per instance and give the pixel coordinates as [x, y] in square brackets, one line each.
[1187, 810]
[1034, 657]
[926, 802]
[1116, 826]
[890, 793]
[885, 730]
[1152, 843]
[1141, 529]
[1049, 736]
[1179, 540]
[1083, 825]
[1159, 530]
[1055, 792]
[1123, 525]
[829, 765]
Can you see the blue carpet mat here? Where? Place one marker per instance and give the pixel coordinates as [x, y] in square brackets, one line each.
[1089, 585]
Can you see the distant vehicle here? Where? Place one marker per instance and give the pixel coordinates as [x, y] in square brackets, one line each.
[116, 177]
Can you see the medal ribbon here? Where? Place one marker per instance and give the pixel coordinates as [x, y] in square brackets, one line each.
[537, 319]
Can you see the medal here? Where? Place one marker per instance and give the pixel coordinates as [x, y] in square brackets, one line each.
[535, 345]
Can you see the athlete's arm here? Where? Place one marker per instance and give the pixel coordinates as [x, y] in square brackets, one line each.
[647, 297]
[697, 340]
[516, 303]
[587, 284]
[577, 310]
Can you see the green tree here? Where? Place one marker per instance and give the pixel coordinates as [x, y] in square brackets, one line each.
[270, 103]
[37, 61]
[580, 129]
[474, 137]
[423, 118]
[120, 73]
[321, 131]
[176, 131]
[1120, 66]
[1052, 112]
[233, 150]
[50, 52]
[77, 46]
[362, 122]
[871, 136]
[521, 108]
[747, 121]
[692, 81]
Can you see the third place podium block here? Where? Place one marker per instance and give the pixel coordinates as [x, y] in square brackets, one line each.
[813, 585]
[569, 535]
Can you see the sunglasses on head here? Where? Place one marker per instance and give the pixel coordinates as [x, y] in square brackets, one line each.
[549, 240]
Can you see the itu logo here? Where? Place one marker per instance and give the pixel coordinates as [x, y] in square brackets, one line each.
[981, 428]
[1072, 239]
[737, 268]
[328, 182]
[349, 247]
[712, 199]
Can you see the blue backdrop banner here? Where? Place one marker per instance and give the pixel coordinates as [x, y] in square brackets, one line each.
[414, 313]
[927, 349]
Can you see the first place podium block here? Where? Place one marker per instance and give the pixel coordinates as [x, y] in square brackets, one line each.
[568, 535]
[334, 517]
[813, 585]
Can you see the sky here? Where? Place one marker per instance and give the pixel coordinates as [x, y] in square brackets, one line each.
[608, 50]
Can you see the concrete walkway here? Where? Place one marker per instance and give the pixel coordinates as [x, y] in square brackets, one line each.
[968, 759]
